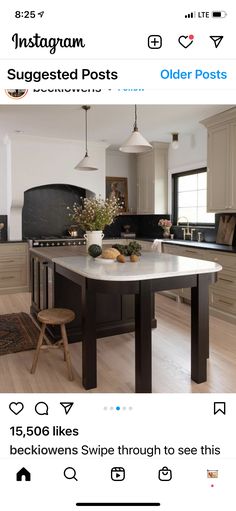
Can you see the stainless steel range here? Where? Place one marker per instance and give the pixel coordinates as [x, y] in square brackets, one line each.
[56, 242]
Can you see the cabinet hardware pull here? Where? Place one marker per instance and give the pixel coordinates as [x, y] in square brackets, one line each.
[224, 301]
[6, 278]
[226, 280]
[192, 251]
[8, 261]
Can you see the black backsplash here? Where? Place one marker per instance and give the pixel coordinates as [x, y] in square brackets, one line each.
[144, 226]
[3, 232]
[45, 214]
[45, 210]
[209, 233]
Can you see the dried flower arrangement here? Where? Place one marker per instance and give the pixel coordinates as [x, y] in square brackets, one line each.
[95, 213]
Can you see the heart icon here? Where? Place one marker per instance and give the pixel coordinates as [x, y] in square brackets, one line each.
[16, 408]
[186, 40]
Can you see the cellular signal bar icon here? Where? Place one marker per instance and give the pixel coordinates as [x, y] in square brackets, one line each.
[191, 15]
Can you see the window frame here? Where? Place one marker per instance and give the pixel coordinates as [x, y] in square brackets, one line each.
[174, 178]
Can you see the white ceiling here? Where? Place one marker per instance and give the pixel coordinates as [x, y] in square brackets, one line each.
[107, 123]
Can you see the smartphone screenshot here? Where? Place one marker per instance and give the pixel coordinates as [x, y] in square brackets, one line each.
[117, 256]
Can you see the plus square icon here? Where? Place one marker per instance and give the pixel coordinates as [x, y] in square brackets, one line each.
[154, 42]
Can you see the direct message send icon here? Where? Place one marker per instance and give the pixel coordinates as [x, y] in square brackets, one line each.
[67, 406]
[217, 39]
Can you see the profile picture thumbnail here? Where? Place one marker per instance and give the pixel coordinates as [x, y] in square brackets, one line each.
[16, 93]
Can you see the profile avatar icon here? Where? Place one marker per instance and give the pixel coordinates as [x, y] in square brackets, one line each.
[16, 93]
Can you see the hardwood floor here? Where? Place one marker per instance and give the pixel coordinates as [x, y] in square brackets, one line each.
[171, 357]
[19, 302]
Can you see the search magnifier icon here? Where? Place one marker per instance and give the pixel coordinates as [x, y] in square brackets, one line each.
[70, 473]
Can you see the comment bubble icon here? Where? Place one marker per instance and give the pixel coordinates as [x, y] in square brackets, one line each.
[41, 408]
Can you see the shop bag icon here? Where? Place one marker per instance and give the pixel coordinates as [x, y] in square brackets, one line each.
[165, 474]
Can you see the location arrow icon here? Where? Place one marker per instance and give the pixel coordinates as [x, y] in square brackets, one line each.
[67, 406]
[217, 39]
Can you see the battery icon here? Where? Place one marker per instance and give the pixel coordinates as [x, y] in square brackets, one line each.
[219, 14]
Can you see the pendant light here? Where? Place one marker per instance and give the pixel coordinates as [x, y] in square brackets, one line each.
[175, 141]
[86, 163]
[136, 143]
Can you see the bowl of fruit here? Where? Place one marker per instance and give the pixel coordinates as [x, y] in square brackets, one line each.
[118, 252]
[130, 252]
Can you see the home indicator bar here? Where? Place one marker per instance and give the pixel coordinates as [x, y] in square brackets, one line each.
[119, 504]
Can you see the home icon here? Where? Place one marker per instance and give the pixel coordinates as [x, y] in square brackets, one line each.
[23, 474]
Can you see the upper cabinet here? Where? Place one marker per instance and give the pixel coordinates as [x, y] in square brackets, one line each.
[221, 176]
[152, 180]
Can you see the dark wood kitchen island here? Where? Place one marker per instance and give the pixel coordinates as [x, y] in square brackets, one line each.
[114, 312]
[88, 280]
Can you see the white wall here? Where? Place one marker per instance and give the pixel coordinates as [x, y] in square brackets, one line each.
[192, 150]
[36, 161]
[120, 164]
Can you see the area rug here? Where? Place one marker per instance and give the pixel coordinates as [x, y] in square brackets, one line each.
[17, 333]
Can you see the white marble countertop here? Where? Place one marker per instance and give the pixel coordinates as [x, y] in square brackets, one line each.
[151, 265]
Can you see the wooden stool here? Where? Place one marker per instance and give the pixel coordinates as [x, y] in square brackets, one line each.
[55, 317]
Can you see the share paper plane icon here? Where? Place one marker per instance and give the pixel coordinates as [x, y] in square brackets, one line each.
[217, 39]
[67, 407]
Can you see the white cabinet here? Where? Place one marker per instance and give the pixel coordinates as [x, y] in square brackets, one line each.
[152, 180]
[146, 245]
[14, 268]
[145, 183]
[221, 182]
[218, 163]
[222, 294]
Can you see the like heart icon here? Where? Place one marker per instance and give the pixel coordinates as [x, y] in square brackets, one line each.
[186, 40]
[16, 408]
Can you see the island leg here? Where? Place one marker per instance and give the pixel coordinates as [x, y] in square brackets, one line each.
[143, 338]
[89, 341]
[199, 329]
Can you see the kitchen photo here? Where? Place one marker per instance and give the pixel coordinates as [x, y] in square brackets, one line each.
[117, 248]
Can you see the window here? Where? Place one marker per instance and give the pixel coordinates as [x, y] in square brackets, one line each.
[190, 197]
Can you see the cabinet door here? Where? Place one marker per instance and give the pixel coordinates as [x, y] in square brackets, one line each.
[14, 269]
[218, 176]
[146, 245]
[145, 184]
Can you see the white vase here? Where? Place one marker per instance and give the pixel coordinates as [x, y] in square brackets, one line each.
[93, 238]
[166, 233]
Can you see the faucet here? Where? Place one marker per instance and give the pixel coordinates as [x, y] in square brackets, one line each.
[186, 231]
